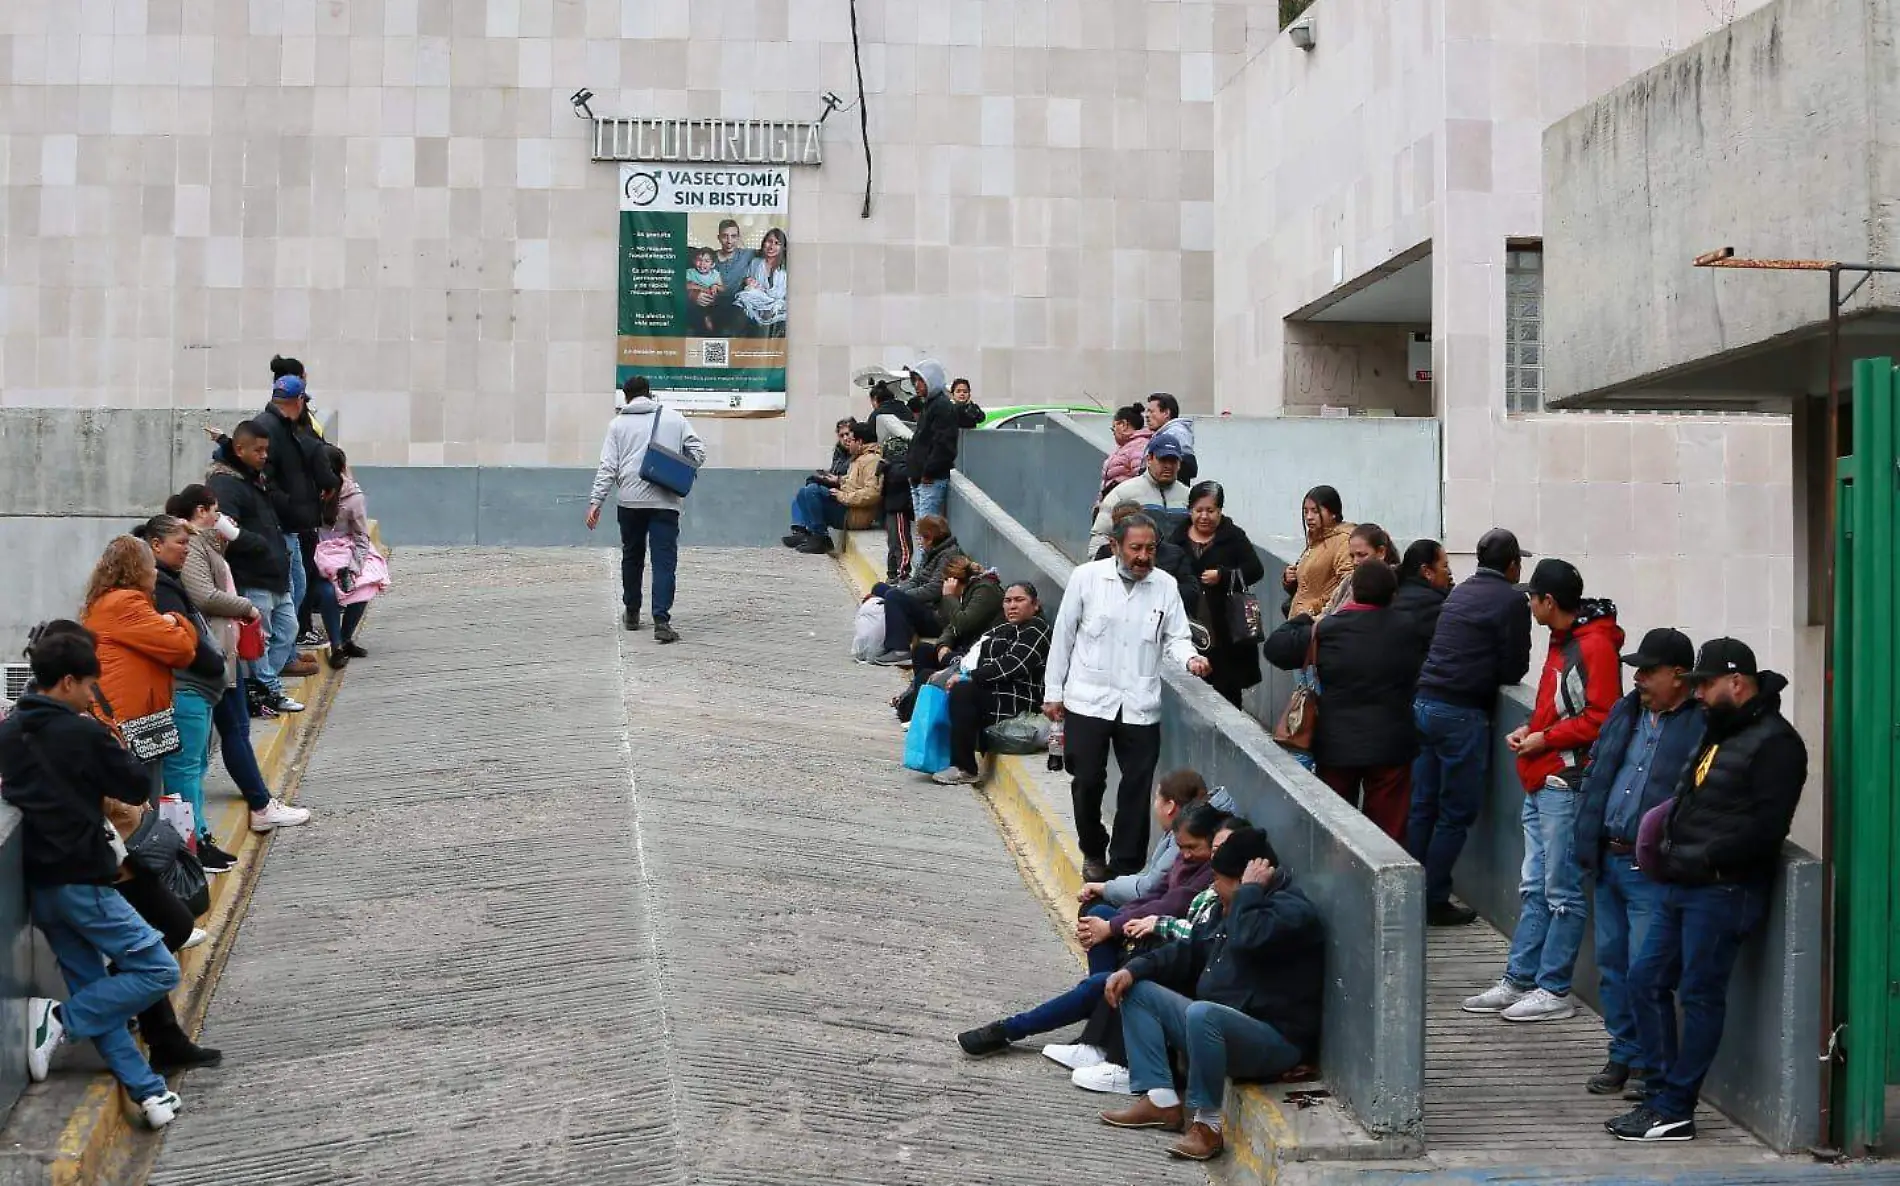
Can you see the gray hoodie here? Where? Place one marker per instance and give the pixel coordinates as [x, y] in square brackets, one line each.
[626, 447]
[1132, 887]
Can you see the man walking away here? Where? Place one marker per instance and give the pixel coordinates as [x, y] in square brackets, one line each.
[1482, 643]
[1106, 684]
[648, 512]
[1719, 849]
[1240, 998]
[56, 763]
[1641, 753]
[1580, 685]
[1163, 416]
[260, 563]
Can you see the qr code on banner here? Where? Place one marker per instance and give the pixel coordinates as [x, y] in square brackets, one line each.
[715, 352]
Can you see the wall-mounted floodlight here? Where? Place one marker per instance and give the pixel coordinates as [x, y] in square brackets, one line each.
[580, 99]
[1303, 33]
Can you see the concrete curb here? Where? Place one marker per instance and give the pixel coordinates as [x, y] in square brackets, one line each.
[1268, 1127]
[100, 1142]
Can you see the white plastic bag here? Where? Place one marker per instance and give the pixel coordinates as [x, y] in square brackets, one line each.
[178, 814]
[867, 634]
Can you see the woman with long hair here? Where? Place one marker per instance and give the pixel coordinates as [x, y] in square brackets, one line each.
[1325, 563]
[763, 297]
[1226, 566]
[352, 574]
[138, 646]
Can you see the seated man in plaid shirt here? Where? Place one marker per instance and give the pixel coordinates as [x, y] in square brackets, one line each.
[1095, 1059]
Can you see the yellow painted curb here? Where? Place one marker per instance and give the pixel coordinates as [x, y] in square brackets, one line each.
[863, 571]
[100, 1138]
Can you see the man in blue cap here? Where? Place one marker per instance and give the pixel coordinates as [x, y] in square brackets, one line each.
[299, 478]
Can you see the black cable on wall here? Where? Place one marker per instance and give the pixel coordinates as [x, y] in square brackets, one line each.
[864, 116]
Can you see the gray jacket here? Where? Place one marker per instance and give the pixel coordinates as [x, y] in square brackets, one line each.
[1132, 887]
[626, 447]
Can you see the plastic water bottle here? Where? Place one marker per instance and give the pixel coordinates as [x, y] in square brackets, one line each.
[1056, 759]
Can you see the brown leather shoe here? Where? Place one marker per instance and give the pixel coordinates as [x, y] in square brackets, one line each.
[1200, 1144]
[299, 667]
[1143, 1114]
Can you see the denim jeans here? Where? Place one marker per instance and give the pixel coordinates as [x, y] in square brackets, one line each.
[339, 621]
[905, 617]
[1104, 957]
[1220, 1042]
[928, 498]
[280, 628]
[232, 718]
[1694, 936]
[299, 579]
[1551, 919]
[1071, 1008]
[815, 510]
[185, 770]
[1625, 902]
[86, 925]
[1447, 787]
[641, 528]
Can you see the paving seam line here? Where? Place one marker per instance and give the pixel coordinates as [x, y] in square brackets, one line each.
[1260, 1136]
[99, 1142]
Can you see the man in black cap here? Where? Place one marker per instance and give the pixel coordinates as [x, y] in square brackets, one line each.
[1482, 643]
[1240, 997]
[1719, 847]
[1645, 745]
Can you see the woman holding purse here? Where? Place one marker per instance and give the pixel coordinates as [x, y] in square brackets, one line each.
[1228, 565]
[213, 591]
[138, 648]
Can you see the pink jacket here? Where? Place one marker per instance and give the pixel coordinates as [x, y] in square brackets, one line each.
[1126, 461]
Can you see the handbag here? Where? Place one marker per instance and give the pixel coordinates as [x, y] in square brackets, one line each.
[1243, 613]
[927, 745]
[1024, 733]
[1301, 719]
[152, 736]
[158, 850]
[250, 640]
[669, 469]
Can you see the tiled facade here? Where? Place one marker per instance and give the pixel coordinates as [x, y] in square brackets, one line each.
[397, 191]
[1422, 123]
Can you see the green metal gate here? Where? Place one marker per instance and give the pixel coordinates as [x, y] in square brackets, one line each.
[1866, 823]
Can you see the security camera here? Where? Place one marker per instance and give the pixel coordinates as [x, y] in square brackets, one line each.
[1302, 33]
[579, 100]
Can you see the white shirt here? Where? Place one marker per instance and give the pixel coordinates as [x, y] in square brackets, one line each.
[1110, 640]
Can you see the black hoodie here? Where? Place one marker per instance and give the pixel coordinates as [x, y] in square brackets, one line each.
[1736, 800]
[55, 764]
[257, 557]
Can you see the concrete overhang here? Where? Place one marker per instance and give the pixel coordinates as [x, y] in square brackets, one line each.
[1766, 377]
[1397, 292]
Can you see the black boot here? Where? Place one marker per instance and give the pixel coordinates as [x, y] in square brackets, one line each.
[798, 536]
[171, 1050]
[816, 543]
[1609, 1080]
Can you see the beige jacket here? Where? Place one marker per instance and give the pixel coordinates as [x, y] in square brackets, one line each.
[1321, 569]
[208, 582]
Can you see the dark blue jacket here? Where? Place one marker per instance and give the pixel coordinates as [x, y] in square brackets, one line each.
[1482, 643]
[1681, 737]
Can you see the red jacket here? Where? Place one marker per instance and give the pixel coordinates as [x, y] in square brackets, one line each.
[1582, 681]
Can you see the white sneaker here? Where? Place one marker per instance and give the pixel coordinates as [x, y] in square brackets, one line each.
[277, 814]
[198, 936]
[1104, 1077]
[953, 776]
[1539, 1005]
[1075, 1057]
[161, 1110]
[43, 1035]
[1496, 999]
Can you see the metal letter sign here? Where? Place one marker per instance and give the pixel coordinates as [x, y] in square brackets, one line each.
[708, 141]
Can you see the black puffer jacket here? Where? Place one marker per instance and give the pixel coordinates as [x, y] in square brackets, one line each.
[1367, 669]
[1232, 554]
[1265, 956]
[206, 672]
[1419, 602]
[1737, 797]
[298, 473]
[933, 446]
[257, 556]
[1482, 643]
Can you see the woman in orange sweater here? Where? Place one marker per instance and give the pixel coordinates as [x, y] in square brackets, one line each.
[138, 646]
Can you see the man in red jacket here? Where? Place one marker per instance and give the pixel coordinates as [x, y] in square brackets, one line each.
[1581, 682]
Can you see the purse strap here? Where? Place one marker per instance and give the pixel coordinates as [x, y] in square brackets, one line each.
[1312, 647]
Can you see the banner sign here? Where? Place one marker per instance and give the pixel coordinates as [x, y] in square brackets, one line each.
[709, 141]
[704, 256]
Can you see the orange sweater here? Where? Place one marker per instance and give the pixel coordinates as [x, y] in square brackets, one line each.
[138, 648]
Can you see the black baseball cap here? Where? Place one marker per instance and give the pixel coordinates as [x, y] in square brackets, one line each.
[1724, 656]
[1663, 647]
[1497, 549]
[1556, 579]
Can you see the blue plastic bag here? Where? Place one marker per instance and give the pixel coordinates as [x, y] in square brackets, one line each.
[927, 745]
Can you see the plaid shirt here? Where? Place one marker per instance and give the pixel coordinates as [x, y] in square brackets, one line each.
[1011, 666]
[1199, 911]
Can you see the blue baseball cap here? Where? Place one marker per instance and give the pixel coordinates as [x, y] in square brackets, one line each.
[1164, 446]
[287, 387]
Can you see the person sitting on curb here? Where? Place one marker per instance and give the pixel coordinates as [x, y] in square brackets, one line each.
[1084, 1001]
[1256, 978]
[1006, 681]
[57, 764]
[851, 505]
[911, 605]
[1099, 928]
[1177, 791]
[972, 606]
